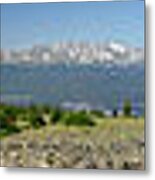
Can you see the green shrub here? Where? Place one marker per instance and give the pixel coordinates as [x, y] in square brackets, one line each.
[3, 120]
[78, 118]
[10, 111]
[46, 109]
[98, 113]
[127, 107]
[35, 120]
[115, 113]
[56, 116]
[7, 124]
[9, 130]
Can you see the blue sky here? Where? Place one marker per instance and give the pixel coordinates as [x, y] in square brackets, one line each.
[23, 25]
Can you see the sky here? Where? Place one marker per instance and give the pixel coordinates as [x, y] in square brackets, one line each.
[24, 25]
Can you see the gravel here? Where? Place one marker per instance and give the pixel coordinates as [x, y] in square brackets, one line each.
[93, 148]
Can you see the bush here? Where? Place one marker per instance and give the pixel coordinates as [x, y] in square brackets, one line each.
[115, 113]
[36, 120]
[127, 107]
[78, 118]
[7, 125]
[10, 111]
[46, 109]
[57, 115]
[98, 113]
[3, 121]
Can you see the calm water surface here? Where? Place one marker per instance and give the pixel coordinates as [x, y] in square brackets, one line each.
[88, 86]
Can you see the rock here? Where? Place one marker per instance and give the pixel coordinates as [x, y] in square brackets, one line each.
[14, 146]
[117, 147]
[136, 163]
[64, 149]
[50, 159]
[126, 165]
[109, 164]
[133, 164]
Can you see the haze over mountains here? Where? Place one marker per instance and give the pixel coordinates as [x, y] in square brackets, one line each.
[76, 53]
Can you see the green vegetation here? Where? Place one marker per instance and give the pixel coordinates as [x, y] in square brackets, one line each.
[15, 119]
[98, 113]
[127, 107]
[57, 115]
[78, 118]
[7, 122]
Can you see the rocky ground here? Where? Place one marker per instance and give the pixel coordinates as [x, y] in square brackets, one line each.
[112, 144]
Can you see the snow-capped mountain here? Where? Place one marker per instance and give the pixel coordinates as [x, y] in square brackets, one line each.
[76, 53]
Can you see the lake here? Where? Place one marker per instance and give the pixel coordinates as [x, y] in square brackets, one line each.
[94, 86]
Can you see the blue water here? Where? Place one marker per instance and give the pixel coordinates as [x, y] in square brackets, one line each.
[99, 86]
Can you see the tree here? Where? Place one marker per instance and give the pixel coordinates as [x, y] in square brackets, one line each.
[127, 107]
[115, 113]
